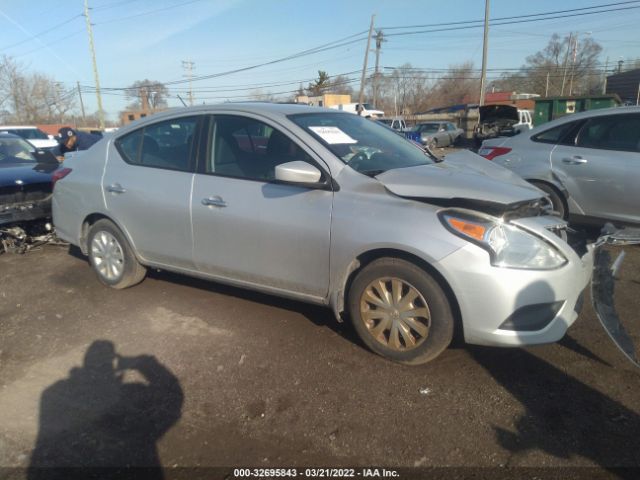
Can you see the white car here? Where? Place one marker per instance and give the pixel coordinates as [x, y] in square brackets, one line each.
[367, 110]
[31, 134]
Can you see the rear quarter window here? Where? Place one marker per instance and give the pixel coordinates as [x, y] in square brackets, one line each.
[564, 134]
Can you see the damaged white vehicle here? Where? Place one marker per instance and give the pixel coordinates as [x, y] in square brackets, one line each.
[333, 209]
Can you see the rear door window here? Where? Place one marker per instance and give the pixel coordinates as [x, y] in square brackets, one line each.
[168, 144]
[614, 132]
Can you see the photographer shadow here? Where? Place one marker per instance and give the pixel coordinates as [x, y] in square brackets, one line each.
[98, 423]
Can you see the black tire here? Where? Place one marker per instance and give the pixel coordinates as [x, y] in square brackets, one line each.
[132, 272]
[558, 201]
[440, 330]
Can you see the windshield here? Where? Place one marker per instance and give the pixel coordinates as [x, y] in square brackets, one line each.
[365, 145]
[15, 150]
[30, 133]
[428, 127]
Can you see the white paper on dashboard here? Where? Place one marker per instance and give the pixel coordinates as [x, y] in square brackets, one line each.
[332, 135]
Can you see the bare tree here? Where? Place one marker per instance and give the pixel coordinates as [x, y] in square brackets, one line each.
[461, 84]
[262, 96]
[565, 64]
[32, 98]
[340, 85]
[147, 95]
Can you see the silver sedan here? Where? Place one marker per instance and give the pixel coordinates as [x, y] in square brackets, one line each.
[587, 163]
[328, 208]
[438, 134]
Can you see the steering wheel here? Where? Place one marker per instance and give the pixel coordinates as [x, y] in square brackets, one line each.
[357, 159]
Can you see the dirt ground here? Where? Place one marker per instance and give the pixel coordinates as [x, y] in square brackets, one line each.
[216, 376]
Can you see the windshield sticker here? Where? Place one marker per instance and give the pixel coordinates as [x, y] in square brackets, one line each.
[332, 135]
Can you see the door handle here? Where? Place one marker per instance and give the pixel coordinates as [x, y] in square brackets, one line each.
[116, 188]
[216, 201]
[576, 160]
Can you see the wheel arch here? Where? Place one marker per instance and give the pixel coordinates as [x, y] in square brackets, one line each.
[365, 258]
[557, 187]
[90, 220]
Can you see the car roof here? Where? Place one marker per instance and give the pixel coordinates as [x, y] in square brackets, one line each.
[602, 111]
[19, 127]
[9, 135]
[264, 108]
[580, 115]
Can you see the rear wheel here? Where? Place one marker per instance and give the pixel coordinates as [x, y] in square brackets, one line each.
[111, 256]
[400, 312]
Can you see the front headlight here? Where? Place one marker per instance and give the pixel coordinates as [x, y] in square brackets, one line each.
[508, 245]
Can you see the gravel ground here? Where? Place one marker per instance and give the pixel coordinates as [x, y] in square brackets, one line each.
[216, 376]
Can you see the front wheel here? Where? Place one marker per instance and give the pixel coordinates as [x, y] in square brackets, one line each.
[400, 312]
[112, 258]
[558, 202]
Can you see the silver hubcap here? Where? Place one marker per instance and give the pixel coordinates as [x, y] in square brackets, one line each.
[395, 313]
[107, 256]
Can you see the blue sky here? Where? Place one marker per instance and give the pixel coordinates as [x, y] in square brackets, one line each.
[138, 39]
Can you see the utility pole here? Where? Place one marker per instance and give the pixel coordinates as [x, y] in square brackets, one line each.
[364, 68]
[485, 45]
[81, 102]
[95, 64]
[188, 65]
[376, 82]
[546, 87]
[566, 59]
[604, 81]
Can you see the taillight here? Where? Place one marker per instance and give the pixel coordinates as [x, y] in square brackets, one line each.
[59, 175]
[492, 152]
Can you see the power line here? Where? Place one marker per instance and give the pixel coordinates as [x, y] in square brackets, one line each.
[39, 34]
[321, 48]
[513, 22]
[513, 17]
[149, 12]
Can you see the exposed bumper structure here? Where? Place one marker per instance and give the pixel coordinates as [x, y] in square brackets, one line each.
[603, 288]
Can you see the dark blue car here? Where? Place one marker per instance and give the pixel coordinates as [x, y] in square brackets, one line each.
[25, 181]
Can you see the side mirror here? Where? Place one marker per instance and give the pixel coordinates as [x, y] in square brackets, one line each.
[298, 172]
[51, 137]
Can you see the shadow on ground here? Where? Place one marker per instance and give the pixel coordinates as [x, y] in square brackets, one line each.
[97, 422]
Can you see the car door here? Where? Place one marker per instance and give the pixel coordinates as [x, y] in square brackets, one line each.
[250, 228]
[601, 170]
[147, 185]
[453, 132]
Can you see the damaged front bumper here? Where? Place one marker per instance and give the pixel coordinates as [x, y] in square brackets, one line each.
[603, 287]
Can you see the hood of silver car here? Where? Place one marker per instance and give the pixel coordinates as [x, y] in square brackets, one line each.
[461, 176]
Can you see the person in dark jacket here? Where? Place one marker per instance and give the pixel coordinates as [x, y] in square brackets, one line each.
[70, 140]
